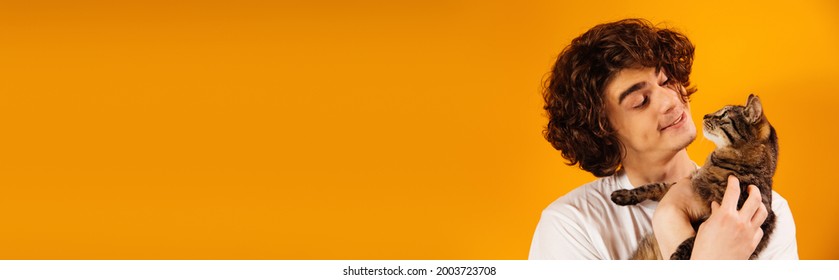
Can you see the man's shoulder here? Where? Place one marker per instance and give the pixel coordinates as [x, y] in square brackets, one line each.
[782, 244]
[783, 213]
[594, 194]
[779, 203]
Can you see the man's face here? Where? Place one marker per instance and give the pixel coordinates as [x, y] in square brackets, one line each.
[644, 107]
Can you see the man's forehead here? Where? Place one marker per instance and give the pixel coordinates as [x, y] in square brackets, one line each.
[628, 76]
[627, 79]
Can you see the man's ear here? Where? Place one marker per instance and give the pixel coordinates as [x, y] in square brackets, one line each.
[754, 109]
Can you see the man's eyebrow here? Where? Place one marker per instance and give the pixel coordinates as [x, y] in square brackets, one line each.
[630, 90]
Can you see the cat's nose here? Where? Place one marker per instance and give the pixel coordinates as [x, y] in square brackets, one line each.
[708, 116]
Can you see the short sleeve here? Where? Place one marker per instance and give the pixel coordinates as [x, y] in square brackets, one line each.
[782, 244]
[561, 235]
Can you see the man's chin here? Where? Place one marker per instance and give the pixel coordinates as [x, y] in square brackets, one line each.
[689, 138]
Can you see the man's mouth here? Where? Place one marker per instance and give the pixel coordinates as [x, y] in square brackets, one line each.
[675, 122]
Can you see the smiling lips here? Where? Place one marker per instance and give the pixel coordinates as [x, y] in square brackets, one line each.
[675, 122]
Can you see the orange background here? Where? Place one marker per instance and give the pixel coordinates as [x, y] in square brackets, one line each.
[338, 130]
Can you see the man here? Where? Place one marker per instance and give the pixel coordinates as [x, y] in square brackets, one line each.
[617, 103]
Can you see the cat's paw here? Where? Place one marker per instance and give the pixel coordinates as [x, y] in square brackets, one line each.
[684, 251]
[624, 197]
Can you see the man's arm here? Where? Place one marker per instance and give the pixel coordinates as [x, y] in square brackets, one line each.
[671, 224]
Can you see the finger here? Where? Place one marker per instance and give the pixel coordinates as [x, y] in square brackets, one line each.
[757, 237]
[760, 216]
[714, 206]
[732, 193]
[752, 203]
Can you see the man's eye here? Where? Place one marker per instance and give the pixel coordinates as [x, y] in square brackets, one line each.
[666, 82]
[641, 104]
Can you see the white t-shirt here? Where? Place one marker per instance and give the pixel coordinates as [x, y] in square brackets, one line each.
[586, 224]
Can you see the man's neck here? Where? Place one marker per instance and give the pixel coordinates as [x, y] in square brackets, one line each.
[663, 169]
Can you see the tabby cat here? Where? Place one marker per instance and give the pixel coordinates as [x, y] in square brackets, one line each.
[747, 147]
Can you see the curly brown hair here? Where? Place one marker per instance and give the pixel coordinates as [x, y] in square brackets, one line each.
[574, 93]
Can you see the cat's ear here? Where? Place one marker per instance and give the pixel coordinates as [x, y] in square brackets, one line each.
[754, 109]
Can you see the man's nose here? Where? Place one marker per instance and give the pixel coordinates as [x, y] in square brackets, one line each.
[669, 100]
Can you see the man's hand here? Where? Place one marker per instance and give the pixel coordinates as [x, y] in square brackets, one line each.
[671, 223]
[730, 234]
[727, 234]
